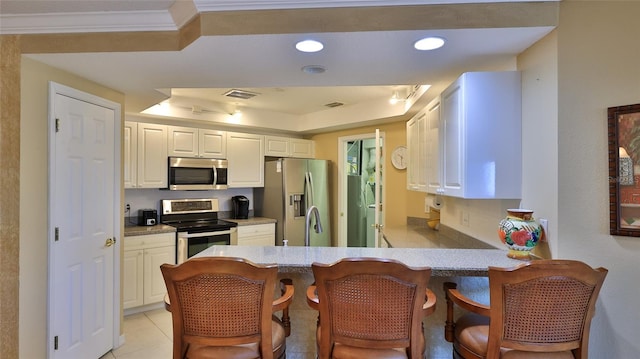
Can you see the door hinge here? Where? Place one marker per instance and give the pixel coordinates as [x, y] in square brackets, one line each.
[55, 342]
[57, 125]
[56, 235]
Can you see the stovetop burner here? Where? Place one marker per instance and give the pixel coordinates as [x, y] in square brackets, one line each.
[192, 226]
[193, 215]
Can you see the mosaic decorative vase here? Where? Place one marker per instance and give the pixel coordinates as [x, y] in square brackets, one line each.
[519, 232]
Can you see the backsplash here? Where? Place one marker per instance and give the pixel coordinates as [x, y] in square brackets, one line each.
[150, 198]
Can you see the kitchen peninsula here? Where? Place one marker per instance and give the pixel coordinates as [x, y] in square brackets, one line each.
[443, 262]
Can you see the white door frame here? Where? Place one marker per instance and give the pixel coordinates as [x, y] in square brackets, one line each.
[342, 184]
[54, 90]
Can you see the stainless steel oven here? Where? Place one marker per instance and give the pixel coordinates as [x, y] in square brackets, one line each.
[190, 244]
[197, 226]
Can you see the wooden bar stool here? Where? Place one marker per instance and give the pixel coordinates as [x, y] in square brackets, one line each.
[370, 308]
[223, 307]
[541, 309]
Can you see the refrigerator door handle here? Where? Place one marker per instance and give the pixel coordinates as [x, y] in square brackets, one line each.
[310, 194]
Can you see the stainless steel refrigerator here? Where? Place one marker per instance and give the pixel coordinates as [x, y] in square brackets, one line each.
[291, 186]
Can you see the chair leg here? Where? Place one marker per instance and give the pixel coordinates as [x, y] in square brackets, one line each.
[286, 321]
[449, 324]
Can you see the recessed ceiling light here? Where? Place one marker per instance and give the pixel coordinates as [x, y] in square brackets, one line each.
[313, 69]
[309, 46]
[429, 43]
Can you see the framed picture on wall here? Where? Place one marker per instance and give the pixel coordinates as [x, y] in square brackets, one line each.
[624, 170]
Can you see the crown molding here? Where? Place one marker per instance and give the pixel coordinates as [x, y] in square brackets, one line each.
[84, 22]
[234, 5]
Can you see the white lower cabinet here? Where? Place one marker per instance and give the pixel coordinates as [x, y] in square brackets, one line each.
[257, 235]
[143, 283]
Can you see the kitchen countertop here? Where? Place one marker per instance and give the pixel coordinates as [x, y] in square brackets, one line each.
[251, 221]
[443, 262]
[143, 230]
[415, 236]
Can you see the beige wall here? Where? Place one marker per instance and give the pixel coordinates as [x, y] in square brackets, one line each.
[598, 67]
[33, 196]
[400, 201]
[569, 79]
[592, 58]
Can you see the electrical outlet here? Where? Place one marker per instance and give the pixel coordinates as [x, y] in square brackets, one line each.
[128, 207]
[427, 208]
[544, 223]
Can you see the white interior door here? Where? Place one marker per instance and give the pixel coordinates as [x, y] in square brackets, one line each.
[344, 169]
[378, 212]
[84, 224]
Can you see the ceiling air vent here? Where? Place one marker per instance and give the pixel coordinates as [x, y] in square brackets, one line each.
[334, 104]
[245, 95]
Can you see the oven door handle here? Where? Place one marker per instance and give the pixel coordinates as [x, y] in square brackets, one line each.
[206, 234]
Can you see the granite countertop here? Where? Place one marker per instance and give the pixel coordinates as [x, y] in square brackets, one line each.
[251, 221]
[416, 236]
[443, 262]
[143, 230]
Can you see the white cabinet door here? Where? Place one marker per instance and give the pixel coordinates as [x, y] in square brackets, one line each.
[257, 235]
[288, 147]
[196, 142]
[416, 178]
[143, 282]
[152, 156]
[481, 124]
[132, 284]
[130, 154]
[154, 287]
[453, 123]
[212, 143]
[432, 147]
[276, 146]
[245, 153]
[183, 141]
[301, 148]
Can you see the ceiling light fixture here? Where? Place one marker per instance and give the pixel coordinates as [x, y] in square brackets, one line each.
[429, 43]
[237, 114]
[309, 46]
[395, 98]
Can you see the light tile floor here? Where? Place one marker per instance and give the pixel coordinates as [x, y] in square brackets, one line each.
[149, 334]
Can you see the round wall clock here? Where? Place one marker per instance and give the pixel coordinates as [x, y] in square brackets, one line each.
[399, 157]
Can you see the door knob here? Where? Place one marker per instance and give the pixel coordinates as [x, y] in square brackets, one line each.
[109, 242]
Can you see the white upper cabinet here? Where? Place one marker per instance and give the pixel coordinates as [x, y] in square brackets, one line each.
[423, 143]
[416, 178]
[480, 135]
[301, 148]
[433, 146]
[194, 142]
[245, 154]
[288, 147]
[130, 155]
[145, 155]
[152, 156]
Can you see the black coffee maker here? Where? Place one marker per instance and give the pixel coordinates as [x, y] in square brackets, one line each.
[240, 207]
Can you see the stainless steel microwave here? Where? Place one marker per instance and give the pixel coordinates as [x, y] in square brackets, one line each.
[197, 173]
